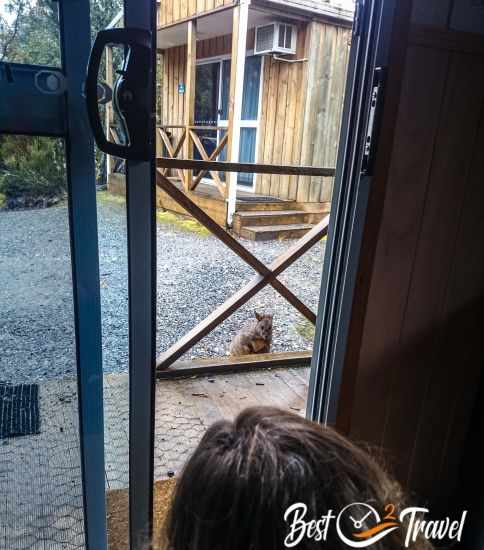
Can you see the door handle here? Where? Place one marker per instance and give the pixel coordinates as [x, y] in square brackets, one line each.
[131, 94]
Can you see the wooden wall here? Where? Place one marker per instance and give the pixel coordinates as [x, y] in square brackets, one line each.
[171, 11]
[301, 112]
[281, 130]
[174, 72]
[301, 106]
[416, 347]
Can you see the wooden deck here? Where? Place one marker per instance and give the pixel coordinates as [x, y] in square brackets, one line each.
[185, 408]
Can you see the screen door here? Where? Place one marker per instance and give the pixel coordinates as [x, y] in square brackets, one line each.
[52, 434]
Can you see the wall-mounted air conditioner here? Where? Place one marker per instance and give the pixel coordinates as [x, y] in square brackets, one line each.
[275, 37]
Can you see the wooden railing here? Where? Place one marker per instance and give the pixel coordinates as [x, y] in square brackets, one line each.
[174, 148]
[265, 275]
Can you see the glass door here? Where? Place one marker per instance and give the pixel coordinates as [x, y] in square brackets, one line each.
[53, 478]
[206, 106]
[362, 118]
[133, 99]
[51, 405]
[251, 106]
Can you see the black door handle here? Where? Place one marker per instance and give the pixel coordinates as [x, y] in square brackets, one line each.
[131, 96]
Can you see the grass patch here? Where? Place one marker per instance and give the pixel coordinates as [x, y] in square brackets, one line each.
[181, 222]
[106, 196]
[306, 330]
[3, 199]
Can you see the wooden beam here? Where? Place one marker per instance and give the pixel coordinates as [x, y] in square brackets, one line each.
[190, 95]
[241, 297]
[173, 151]
[195, 17]
[223, 365]
[239, 47]
[213, 156]
[249, 168]
[201, 149]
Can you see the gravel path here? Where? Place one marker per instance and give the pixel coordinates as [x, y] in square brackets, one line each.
[196, 273]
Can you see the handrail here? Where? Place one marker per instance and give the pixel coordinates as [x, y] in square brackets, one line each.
[195, 127]
[248, 168]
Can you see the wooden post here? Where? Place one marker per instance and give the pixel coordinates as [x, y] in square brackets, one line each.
[109, 106]
[190, 95]
[239, 47]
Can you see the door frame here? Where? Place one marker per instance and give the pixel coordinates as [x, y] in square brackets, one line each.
[141, 214]
[379, 25]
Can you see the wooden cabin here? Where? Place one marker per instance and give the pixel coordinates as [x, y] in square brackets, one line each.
[279, 104]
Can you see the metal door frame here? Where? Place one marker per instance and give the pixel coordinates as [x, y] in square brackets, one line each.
[141, 212]
[63, 115]
[370, 51]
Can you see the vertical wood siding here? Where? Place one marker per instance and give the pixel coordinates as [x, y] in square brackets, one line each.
[326, 81]
[301, 112]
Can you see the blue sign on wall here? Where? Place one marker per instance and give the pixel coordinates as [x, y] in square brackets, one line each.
[181, 88]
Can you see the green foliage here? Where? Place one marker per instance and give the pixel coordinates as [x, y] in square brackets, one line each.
[306, 330]
[33, 34]
[31, 168]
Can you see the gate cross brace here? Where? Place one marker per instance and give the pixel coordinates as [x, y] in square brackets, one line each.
[266, 275]
[173, 151]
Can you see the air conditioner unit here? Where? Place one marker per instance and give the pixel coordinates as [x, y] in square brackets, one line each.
[275, 38]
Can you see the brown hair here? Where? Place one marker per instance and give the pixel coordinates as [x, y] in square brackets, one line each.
[235, 489]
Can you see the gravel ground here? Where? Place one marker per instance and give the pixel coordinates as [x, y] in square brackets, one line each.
[196, 273]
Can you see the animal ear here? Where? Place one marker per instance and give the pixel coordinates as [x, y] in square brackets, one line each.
[258, 317]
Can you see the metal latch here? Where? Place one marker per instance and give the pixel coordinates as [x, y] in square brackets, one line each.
[374, 120]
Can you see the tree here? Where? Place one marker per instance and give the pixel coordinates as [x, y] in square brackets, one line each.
[9, 31]
[31, 167]
[33, 35]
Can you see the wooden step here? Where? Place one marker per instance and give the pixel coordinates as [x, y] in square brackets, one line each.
[272, 232]
[276, 217]
[264, 206]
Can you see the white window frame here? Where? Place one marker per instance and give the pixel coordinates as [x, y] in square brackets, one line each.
[243, 123]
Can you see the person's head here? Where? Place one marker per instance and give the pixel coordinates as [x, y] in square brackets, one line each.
[238, 484]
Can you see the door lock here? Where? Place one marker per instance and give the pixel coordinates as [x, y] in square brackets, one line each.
[131, 94]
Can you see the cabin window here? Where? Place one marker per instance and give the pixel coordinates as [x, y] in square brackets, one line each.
[206, 96]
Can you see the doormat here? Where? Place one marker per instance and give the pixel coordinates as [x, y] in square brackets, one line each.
[19, 410]
[118, 505]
